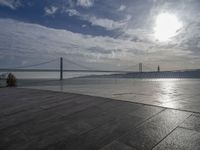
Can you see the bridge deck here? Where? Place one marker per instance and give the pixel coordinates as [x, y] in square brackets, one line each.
[36, 119]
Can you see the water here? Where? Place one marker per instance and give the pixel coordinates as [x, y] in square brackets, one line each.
[52, 75]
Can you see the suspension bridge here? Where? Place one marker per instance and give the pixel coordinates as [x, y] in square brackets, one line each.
[60, 67]
[63, 61]
[133, 71]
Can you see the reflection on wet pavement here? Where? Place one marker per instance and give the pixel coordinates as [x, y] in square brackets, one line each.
[180, 94]
[37, 119]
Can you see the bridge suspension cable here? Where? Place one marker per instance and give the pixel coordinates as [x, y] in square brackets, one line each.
[130, 67]
[79, 65]
[34, 65]
[146, 67]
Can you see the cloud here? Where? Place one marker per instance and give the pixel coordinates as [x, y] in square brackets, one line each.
[85, 3]
[122, 8]
[12, 4]
[131, 36]
[187, 11]
[50, 10]
[39, 41]
[32, 40]
[72, 12]
[106, 23]
[83, 25]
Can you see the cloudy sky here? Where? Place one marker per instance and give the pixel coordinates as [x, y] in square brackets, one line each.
[101, 34]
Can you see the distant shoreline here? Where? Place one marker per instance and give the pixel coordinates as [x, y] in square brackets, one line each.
[154, 75]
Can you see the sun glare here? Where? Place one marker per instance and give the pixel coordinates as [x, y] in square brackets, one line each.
[166, 26]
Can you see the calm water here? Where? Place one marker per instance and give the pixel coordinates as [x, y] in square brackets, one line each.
[53, 75]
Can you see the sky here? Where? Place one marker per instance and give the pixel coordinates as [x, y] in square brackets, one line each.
[101, 34]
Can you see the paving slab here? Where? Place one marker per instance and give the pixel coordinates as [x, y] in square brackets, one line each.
[40, 120]
[147, 135]
[180, 139]
[192, 123]
[182, 94]
[117, 146]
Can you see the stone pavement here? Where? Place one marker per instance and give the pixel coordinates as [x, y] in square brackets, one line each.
[39, 120]
[181, 94]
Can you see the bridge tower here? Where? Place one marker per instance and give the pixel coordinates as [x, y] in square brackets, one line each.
[158, 70]
[61, 68]
[140, 67]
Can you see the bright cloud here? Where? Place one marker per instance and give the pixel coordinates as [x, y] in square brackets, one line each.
[36, 40]
[50, 10]
[72, 12]
[122, 8]
[13, 4]
[85, 3]
[103, 31]
[108, 24]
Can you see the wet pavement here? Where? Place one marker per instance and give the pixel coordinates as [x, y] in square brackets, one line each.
[39, 120]
[181, 94]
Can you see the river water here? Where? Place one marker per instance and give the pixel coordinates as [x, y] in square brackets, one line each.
[52, 75]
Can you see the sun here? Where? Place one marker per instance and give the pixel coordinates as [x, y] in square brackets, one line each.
[166, 27]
